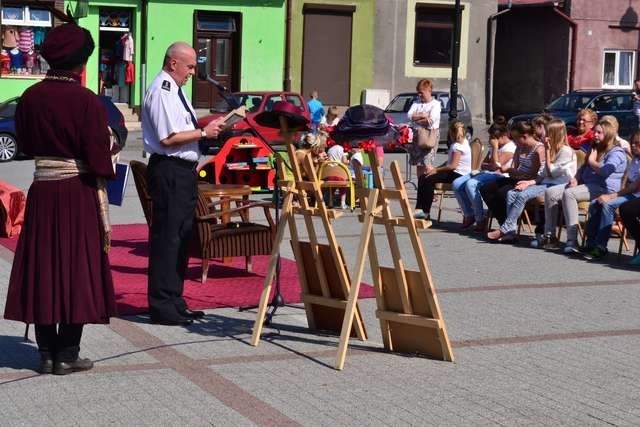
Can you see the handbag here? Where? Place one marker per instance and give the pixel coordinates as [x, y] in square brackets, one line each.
[426, 139]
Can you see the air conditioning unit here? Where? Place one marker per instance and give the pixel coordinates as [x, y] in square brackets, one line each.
[378, 97]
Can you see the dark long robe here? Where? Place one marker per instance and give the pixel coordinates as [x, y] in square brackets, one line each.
[60, 273]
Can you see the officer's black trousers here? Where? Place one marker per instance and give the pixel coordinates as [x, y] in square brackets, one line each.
[173, 187]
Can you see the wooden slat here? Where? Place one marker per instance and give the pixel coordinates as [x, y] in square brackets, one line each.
[410, 319]
[361, 255]
[325, 301]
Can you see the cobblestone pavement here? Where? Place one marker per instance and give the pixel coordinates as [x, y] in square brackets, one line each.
[539, 339]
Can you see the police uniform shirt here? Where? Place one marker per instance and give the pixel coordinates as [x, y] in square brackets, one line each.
[164, 114]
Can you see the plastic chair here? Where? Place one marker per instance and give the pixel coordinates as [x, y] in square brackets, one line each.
[334, 175]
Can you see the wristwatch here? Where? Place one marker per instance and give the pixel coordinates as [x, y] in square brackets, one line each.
[203, 133]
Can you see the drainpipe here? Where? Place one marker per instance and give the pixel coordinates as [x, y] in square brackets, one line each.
[491, 43]
[144, 16]
[143, 49]
[287, 48]
[572, 60]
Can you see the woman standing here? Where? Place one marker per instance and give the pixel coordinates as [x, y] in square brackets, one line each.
[61, 278]
[425, 113]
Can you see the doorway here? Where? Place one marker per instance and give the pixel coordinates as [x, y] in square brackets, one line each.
[115, 44]
[326, 66]
[218, 56]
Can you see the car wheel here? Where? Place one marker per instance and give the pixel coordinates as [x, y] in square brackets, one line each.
[8, 147]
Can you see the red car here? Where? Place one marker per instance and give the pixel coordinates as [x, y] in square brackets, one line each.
[257, 102]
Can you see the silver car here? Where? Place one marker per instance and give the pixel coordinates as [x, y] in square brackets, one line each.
[397, 110]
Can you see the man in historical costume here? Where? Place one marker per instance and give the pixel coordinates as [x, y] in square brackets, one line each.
[170, 132]
[61, 277]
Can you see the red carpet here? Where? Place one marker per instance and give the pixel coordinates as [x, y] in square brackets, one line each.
[227, 286]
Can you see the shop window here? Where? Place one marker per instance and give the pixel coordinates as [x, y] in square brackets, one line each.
[617, 69]
[23, 30]
[433, 42]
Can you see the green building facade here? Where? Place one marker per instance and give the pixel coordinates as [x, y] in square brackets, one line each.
[324, 45]
[239, 43]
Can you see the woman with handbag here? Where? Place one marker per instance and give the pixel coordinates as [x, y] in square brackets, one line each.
[424, 115]
[458, 164]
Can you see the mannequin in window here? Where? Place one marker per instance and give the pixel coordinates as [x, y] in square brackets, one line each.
[10, 37]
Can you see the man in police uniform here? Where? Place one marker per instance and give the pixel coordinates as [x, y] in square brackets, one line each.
[170, 132]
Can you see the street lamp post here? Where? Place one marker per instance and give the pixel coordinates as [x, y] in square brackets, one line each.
[455, 61]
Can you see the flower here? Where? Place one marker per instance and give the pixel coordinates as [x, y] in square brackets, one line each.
[368, 145]
[396, 136]
[405, 135]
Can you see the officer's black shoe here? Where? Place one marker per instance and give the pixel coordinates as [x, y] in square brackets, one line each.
[64, 368]
[179, 321]
[192, 314]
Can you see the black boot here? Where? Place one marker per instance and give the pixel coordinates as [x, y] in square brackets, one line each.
[77, 365]
[46, 362]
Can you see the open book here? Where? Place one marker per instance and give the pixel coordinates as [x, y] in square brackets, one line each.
[234, 117]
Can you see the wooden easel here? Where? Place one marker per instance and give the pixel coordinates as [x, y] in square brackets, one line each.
[408, 308]
[324, 278]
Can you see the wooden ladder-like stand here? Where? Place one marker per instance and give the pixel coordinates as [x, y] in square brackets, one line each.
[408, 307]
[324, 279]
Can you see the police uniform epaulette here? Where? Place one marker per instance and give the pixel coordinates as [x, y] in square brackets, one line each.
[166, 85]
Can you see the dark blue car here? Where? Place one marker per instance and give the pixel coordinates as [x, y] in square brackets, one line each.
[10, 146]
[618, 103]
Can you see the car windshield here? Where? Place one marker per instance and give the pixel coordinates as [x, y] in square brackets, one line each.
[250, 100]
[572, 102]
[401, 104]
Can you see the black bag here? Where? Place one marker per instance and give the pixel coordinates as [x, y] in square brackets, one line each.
[362, 121]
